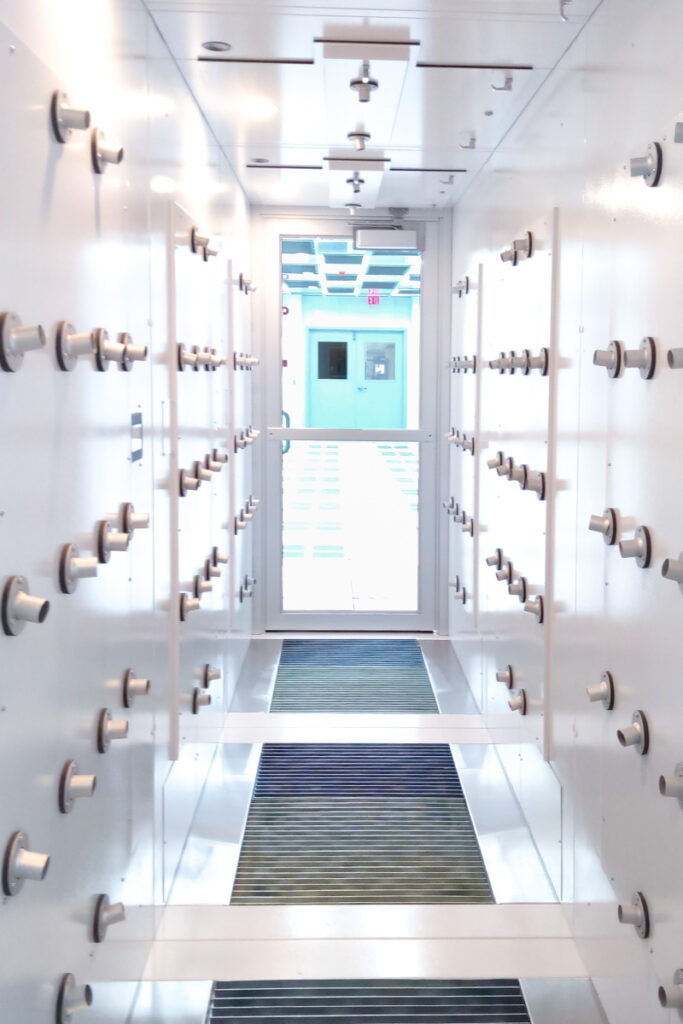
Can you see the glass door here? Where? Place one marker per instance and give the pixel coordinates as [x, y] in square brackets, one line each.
[351, 477]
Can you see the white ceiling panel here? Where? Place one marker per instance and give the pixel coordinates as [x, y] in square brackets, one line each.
[446, 35]
[438, 107]
[236, 97]
[431, 189]
[512, 39]
[421, 117]
[345, 112]
[272, 186]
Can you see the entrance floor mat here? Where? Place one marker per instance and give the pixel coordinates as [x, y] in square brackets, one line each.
[354, 676]
[359, 823]
[489, 1001]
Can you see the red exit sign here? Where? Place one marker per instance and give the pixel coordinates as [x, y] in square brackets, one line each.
[373, 297]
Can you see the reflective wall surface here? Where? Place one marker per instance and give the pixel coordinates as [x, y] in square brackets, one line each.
[600, 272]
[99, 686]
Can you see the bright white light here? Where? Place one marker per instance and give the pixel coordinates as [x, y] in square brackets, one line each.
[157, 105]
[300, 257]
[162, 185]
[283, 190]
[143, 104]
[199, 181]
[257, 108]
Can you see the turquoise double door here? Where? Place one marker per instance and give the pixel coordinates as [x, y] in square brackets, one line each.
[356, 379]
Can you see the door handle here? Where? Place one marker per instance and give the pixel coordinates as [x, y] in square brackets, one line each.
[287, 422]
[362, 389]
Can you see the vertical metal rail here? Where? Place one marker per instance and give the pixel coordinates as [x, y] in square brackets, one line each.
[173, 470]
[551, 483]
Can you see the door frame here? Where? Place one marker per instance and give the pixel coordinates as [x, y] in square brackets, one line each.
[431, 615]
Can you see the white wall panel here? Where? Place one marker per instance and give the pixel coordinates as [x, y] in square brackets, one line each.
[92, 250]
[613, 444]
[68, 452]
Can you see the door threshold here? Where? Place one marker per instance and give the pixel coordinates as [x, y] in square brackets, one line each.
[322, 634]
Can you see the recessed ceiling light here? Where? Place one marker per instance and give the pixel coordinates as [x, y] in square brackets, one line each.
[260, 160]
[216, 45]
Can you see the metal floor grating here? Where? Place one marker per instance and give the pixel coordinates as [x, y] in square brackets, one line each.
[485, 1001]
[359, 823]
[351, 652]
[358, 676]
[357, 770]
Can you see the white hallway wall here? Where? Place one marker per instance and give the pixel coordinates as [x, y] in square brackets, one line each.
[93, 250]
[617, 267]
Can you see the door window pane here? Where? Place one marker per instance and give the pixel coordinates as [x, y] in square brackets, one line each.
[350, 331]
[350, 527]
[332, 360]
[380, 361]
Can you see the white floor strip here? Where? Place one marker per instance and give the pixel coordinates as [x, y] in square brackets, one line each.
[391, 921]
[259, 959]
[260, 727]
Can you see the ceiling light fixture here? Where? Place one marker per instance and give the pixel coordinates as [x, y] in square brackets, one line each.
[338, 162]
[355, 181]
[216, 46]
[359, 137]
[366, 42]
[364, 84]
[352, 207]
